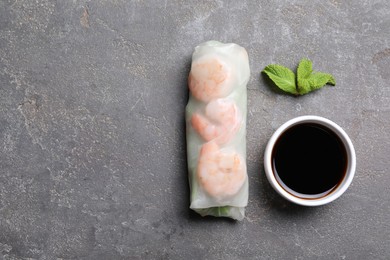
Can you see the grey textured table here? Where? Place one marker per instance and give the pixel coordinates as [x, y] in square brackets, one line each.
[92, 138]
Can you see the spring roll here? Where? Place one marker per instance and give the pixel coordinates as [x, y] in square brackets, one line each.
[216, 129]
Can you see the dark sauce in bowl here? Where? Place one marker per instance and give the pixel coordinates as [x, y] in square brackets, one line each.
[309, 160]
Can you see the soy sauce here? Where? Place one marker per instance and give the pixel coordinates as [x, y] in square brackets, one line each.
[309, 159]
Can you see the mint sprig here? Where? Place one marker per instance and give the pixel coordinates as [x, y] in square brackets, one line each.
[306, 81]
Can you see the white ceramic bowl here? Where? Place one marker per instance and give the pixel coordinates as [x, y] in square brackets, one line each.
[307, 201]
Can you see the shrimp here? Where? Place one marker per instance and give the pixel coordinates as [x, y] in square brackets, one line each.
[221, 121]
[210, 78]
[220, 173]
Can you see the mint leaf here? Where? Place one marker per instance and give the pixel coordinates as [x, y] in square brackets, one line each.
[305, 68]
[318, 80]
[283, 77]
[309, 80]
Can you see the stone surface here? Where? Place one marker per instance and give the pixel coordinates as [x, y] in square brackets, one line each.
[92, 138]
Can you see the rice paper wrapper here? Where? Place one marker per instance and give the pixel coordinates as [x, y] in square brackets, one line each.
[216, 130]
